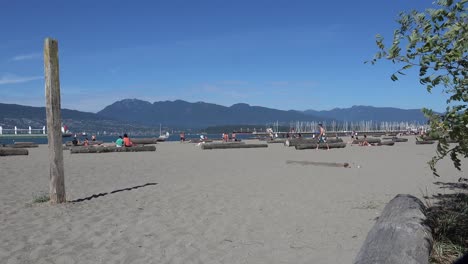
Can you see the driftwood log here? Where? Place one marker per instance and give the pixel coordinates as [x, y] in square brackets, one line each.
[399, 236]
[101, 149]
[395, 139]
[316, 163]
[386, 143]
[199, 140]
[231, 146]
[298, 141]
[369, 140]
[321, 146]
[424, 142]
[24, 143]
[277, 140]
[13, 151]
[31, 145]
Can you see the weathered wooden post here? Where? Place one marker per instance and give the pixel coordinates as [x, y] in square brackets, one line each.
[54, 121]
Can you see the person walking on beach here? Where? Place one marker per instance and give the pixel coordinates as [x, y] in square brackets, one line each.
[321, 137]
[233, 136]
[127, 141]
[182, 136]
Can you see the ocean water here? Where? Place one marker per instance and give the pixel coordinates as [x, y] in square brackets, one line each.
[174, 137]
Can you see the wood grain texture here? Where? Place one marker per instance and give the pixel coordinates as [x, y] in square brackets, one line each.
[13, 151]
[54, 121]
[399, 236]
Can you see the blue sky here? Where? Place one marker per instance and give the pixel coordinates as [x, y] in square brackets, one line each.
[280, 54]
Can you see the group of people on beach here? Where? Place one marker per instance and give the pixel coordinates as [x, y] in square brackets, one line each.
[226, 138]
[123, 141]
[76, 142]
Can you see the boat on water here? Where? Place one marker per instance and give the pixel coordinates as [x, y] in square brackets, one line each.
[66, 132]
[162, 137]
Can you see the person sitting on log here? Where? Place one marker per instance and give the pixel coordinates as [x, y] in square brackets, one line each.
[364, 142]
[321, 137]
[233, 136]
[75, 142]
[86, 142]
[93, 138]
[119, 142]
[127, 141]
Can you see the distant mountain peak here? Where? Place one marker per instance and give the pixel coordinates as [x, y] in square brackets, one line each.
[240, 105]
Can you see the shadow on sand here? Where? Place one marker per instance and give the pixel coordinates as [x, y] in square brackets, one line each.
[107, 193]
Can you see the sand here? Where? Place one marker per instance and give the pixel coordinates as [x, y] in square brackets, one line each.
[208, 206]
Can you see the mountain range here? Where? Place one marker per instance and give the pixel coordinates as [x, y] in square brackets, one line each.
[201, 114]
[197, 115]
[139, 114]
[23, 116]
[378, 114]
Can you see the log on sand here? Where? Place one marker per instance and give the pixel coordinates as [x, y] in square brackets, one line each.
[369, 140]
[424, 142]
[231, 146]
[298, 141]
[386, 143]
[399, 236]
[13, 151]
[101, 149]
[395, 139]
[316, 163]
[199, 140]
[277, 140]
[321, 146]
[24, 143]
[29, 145]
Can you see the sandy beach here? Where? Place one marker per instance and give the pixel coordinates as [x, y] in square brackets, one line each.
[207, 206]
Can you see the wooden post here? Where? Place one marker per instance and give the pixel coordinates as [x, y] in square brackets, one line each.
[54, 121]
